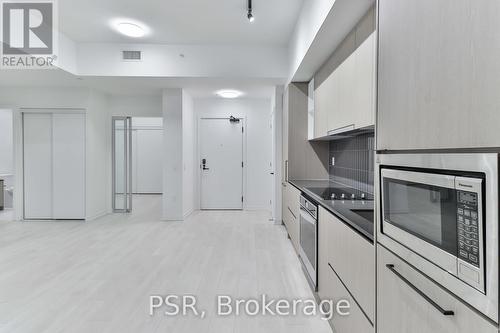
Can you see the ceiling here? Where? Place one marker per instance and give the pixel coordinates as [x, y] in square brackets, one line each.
[196, 87]
[182, 21]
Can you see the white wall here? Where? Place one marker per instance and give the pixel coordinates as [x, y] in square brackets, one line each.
[136, 105]
[40, 97]
[278, 152]
[104, 59]
[6, 143]
[188, 152]
[98, 156]
[257, 114]
[172, 155]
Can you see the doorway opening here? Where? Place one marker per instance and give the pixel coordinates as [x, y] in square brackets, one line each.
[221, 163]
[6, 165]
[137, 163]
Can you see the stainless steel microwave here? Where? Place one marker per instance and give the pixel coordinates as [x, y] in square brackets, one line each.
[443, 208]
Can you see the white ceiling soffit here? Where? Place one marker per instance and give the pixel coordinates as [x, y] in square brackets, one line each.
[343, 16]
[196, 87]
[219, 22]
[104, 59]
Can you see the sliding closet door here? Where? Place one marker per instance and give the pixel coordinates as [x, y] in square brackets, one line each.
[68, 164]
[37, 166]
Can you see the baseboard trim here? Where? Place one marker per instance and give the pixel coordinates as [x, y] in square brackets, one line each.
[256, 208]
[96, 216]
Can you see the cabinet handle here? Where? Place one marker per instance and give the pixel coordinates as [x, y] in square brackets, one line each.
[427, 298]
[295, 217]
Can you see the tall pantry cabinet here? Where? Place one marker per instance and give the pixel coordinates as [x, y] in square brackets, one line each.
[438, 74]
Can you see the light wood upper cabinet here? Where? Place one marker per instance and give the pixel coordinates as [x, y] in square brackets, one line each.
[345, 100]
[321, 102]
[438, 74]
[364, 86]
[342, 95]
[400, 308]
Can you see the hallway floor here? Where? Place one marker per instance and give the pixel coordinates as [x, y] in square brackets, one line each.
[98, 276]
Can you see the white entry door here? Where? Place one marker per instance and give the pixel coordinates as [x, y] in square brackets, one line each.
[221, 163]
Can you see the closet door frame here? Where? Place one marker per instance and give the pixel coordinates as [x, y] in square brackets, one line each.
[127, 164]
[20, 170]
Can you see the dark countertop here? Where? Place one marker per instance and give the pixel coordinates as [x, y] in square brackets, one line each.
[340, 208]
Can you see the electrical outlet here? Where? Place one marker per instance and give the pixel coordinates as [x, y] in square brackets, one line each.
[333, 161]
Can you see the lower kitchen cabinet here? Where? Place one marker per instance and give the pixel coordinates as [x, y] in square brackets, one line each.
[291, 211]
[346, 271]
[401, 308]
[351, 256]
[355, 321]
[324, 270]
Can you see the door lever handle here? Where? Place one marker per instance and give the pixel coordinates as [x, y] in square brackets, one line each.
[203, 164]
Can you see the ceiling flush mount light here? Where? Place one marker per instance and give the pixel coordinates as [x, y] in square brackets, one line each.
[250, 16]
[130, 28]
[229, 93]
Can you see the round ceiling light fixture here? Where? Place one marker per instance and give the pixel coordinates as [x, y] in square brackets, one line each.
[130, 28]
[229, 93]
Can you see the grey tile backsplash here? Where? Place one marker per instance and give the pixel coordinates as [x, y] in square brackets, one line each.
[354, 161]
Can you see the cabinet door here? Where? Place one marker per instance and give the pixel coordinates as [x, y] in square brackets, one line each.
[294, 208]
[324, 105]
[364, 76]
[356, 321]
[324, 235]
[400, 308]
[333, 114]
[285, 214]
[438, 79]
[353, 259]
[344, 94]
[290, 216]
[68, 163]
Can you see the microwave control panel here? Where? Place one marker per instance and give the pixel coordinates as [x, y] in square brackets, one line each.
[468, 227]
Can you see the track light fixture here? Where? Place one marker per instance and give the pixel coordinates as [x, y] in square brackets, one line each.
[250, 16]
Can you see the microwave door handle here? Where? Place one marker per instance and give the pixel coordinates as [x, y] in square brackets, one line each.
[412, 286]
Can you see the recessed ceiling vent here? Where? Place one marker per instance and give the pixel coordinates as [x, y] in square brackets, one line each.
[131, 55]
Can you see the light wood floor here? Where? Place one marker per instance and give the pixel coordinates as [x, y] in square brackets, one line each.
[98, 276]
